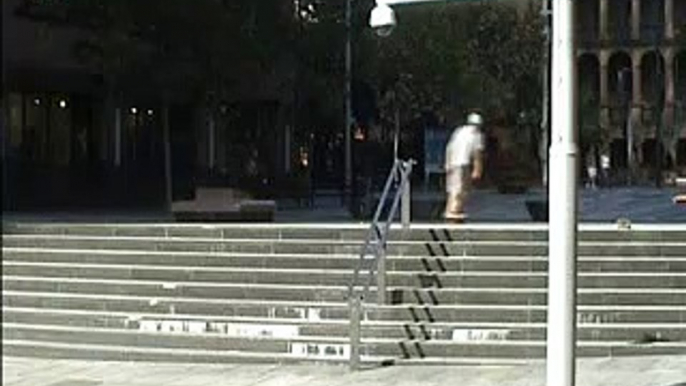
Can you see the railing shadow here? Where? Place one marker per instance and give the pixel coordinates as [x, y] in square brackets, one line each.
[425, 297]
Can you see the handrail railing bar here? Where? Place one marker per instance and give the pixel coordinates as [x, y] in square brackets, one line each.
[375, 248]
[374, 226]
[380, 273]
[384, 195]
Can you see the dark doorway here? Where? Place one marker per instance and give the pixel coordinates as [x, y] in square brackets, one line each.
[182, 153]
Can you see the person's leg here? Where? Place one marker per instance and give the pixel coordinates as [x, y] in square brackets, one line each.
[462, 193]
[454, 209]
[449, 204]
[453, 205]
[460, 199]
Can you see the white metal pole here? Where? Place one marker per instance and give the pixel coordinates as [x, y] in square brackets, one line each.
[348, 100]
[287, 149]
[563, 203]
[211, 140]
[117, 137]
[545, 110]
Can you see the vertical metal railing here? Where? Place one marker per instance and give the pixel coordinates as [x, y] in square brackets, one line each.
[372, 261]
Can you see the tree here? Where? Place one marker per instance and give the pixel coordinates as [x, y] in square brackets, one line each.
[180, 48]
[453, 57]
[169, 51]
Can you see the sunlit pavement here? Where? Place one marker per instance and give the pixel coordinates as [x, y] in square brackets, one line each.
[640, 371]
[638, 204]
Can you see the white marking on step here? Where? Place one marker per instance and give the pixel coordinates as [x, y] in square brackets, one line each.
[196, 327]
[171, 326]
[149, 325]
[245, 330]
[469, 335]
[314, 314]
[320, 350]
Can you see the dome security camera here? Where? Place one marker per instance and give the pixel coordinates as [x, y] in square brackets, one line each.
[382, 20]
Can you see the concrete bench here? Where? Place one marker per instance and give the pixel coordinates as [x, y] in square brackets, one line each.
[223, 205]
[680, 199]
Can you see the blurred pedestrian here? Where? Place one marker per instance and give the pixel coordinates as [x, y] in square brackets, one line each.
[605, 169]
[463, 165]
[591, 170]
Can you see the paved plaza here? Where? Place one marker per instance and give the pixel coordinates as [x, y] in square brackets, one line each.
[641, 205]
[653, 371]
[638, 204]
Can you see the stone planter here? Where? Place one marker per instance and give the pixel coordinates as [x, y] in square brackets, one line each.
[538, 210]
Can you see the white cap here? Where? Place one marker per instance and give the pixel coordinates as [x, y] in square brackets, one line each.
[475, 119]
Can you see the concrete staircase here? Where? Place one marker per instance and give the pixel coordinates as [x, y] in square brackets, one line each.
[276, 293]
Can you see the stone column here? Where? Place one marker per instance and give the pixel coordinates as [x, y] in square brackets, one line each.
[635, 120]
[636, 19]
[669, 19]
[603, 17]
[668, 54]
[604, 59]
[668, 112]
[637, 92]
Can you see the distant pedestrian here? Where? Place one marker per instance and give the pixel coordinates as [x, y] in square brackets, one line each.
[605, 169]
[463, 165]
[591, 170]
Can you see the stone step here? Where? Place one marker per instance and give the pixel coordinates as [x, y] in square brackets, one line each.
[277, 310]
[39, 349]
[520, 349]
[290, 246]
[161, 339]
[332, 277]
[277, 293]
[247, 327]
[417, 232]
[25, 348]
[333, 347]
[407, 295]
[394, 263]
[312, 246]
[353, 232]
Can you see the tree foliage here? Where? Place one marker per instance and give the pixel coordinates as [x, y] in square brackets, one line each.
[445, 57]
[453, 57]
[178, 47]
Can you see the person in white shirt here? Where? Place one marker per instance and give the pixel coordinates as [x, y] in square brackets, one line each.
[605, 169]
[463, 165]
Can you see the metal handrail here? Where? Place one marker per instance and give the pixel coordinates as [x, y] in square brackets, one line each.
[375, 246]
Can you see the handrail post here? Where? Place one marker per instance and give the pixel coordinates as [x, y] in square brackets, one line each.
[406, 201]
[355, 331]
[381, 276]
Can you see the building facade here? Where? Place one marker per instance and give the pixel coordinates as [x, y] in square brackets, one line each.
[632, 80]
[69, 142]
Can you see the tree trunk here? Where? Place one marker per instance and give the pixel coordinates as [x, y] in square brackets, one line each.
[167, 157]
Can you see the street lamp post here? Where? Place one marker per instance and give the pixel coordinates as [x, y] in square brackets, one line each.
[562, 192]
[545, 100]
[561, 334]
[348, 103]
